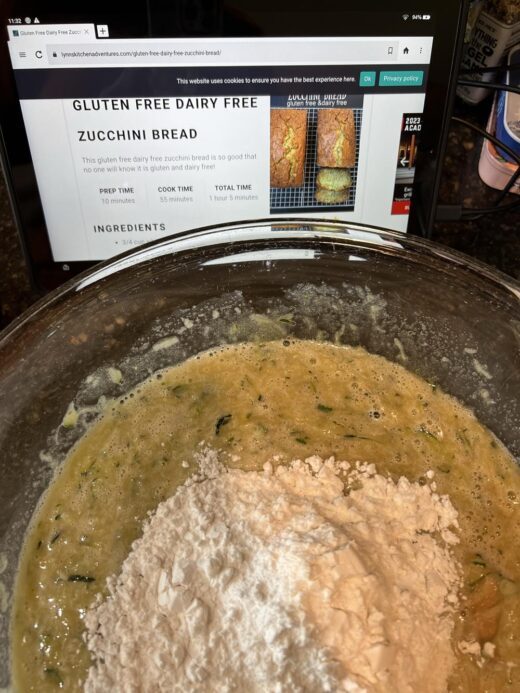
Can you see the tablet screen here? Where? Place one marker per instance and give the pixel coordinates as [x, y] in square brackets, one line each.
[133, 137]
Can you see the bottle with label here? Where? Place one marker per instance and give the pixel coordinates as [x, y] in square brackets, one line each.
[496, 30]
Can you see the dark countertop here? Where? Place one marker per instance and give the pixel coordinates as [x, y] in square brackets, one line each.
[493, 239]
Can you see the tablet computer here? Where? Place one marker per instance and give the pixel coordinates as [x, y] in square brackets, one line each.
[123, 123]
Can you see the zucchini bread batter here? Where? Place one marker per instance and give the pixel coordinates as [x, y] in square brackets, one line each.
[255, 402]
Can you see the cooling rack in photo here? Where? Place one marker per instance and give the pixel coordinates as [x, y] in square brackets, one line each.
[303, 198]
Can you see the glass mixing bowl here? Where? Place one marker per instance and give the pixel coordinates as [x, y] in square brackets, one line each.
[451, 320]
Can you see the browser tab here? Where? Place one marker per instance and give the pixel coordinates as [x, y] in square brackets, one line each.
[60, 32]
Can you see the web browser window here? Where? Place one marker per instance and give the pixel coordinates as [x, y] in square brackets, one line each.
[135, 139]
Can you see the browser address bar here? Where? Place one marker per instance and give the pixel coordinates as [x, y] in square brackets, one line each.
[275, 52]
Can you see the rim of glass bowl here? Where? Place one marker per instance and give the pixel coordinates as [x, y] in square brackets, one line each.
[230, 234]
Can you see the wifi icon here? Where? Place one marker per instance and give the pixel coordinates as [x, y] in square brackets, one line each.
[405, 17]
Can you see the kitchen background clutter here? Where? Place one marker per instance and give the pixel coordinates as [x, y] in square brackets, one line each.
[489, 234]
[492, 40]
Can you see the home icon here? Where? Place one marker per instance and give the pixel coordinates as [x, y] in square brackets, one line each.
[406, 51]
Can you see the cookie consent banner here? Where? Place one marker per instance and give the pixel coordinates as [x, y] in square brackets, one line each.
[275, 80]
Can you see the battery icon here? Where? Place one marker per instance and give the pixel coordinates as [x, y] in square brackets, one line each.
[426, 16]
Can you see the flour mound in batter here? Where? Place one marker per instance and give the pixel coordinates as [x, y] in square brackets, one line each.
[316, 576]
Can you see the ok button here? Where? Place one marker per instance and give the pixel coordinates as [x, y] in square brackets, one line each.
[401, 78]
[367, 79]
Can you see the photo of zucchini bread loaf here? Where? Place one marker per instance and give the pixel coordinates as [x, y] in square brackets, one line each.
[333, 185]
[336, 136]
[314, 158]
[288, 141]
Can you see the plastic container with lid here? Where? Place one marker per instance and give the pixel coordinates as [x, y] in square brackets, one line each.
[508, 110]
[493, 169]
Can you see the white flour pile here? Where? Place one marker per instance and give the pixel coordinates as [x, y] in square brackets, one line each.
[278, 581]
